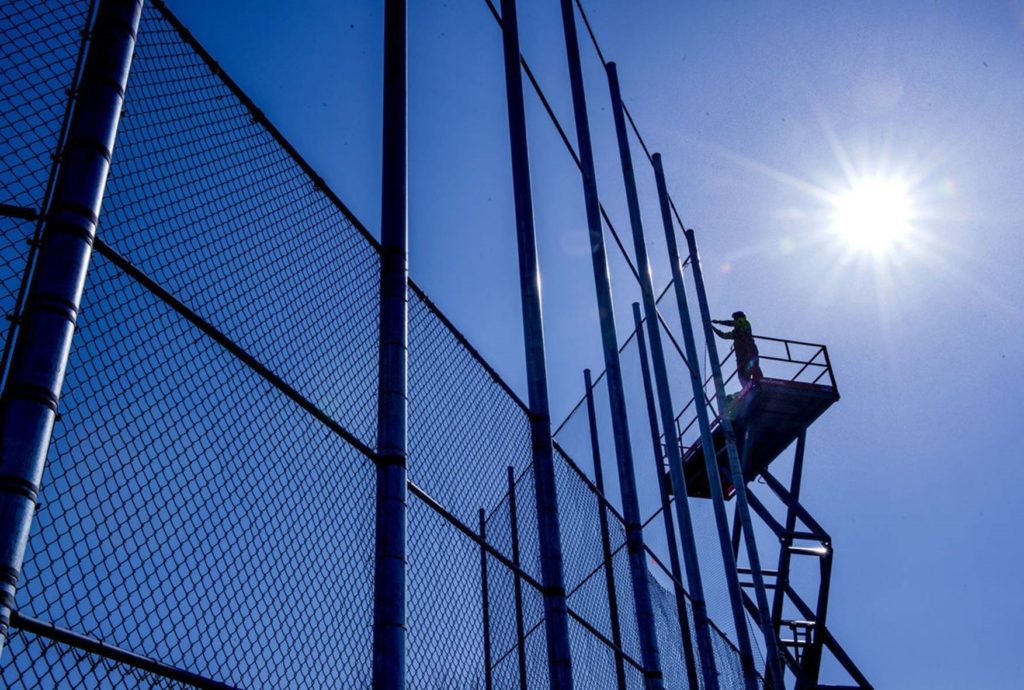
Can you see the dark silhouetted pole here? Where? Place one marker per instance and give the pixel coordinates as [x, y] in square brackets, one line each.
[782, 580]
[606, 547]
[666, 509]
[556, 617]
[706, 440]
[616, 396]
[389, 595]
[485, 598]
[662, 390]
[774, 674]
[517, 582]
[29, 402]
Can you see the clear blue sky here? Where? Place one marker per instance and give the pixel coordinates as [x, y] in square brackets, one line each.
[761, 110]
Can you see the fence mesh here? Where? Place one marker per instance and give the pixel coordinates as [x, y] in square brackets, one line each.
[39, 48]
[193, 514]
[42, 663]
[204, 199]
[191, 511]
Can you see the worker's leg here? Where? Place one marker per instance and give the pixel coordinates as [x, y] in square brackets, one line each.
[742, 374]
[755, 370]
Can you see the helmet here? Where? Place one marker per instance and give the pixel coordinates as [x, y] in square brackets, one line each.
[738, 315]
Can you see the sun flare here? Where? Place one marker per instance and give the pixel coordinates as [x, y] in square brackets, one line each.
[873, 214]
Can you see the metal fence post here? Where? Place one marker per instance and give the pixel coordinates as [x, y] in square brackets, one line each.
[706, 440]
[486, 603]
[556, 616]
[662, 388]
[775, 674]
[606, 547]
[389, 596]
[517, 582]
[666, 509]
[748, 438]
[609, 340]
[28, 406]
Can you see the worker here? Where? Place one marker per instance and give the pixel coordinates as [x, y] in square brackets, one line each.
[747, 362]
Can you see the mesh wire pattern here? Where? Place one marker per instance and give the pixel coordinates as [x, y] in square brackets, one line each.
[37, 661]
[39, 49]
[190, 511]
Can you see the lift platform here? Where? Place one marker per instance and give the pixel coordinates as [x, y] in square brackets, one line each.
[767, 418]
[772, 413]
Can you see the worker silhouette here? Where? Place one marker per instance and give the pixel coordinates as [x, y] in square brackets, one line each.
[747, 362]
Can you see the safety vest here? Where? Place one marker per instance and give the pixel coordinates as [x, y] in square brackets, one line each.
[744, 340]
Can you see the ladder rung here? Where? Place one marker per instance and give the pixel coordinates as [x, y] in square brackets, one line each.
[800, 624]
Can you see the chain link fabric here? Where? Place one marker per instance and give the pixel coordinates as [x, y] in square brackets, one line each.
[39, 48]
[191, 511]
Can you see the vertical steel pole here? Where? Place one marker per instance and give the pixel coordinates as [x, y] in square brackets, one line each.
[808, 676]
[737, 524]
[782, 579]
[609, 340]
[517, 583]
[663, 390]
[556, 617]
[28, 406]
[666, 509]
[706, 440]
[736, 533]
[389, 596]
[812, 656]
[486, 601]
[775, 675]
[606, 547]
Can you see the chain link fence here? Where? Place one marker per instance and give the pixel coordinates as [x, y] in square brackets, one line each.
[208, 500]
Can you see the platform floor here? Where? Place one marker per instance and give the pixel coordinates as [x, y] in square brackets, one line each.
[775, 411]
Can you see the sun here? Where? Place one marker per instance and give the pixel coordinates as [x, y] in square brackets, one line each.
[873, 214]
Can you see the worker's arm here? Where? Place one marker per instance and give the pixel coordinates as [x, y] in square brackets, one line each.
[728, 323]
[728, 335]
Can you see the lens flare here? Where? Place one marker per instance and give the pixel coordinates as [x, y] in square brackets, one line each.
[873, 214]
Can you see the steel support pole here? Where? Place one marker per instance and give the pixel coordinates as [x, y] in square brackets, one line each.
[485, 598]
[782, 579]
[609, 340]
[706, 440]
[389, 596]
[517, 582]
[606, 547]
[28, 406]
[556, 616]
[811, 659]
[812, 656]
[748, 443]
[663, 390]
[736, 533]
[689, 656]
[775, 675]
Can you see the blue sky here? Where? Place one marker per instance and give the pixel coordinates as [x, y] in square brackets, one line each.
[762, 112]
